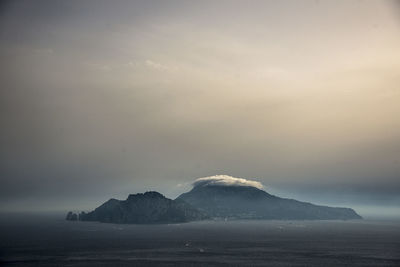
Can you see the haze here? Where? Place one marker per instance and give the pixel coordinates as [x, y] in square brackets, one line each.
[100, 99]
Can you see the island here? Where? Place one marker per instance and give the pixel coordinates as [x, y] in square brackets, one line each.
[217, 197]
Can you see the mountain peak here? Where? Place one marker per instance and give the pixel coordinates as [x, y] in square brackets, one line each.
[149, 207]
[148, 194]
[228, 197]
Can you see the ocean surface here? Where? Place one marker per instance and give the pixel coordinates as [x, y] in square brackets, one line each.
[49, 240]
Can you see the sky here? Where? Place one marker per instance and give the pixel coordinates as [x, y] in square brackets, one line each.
[100, 99]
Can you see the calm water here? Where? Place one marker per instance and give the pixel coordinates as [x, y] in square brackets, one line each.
[44, 240]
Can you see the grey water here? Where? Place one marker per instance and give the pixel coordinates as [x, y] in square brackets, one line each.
[49, 240]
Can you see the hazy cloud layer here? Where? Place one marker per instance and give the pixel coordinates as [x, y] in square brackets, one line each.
[226, 180]
[102, 99]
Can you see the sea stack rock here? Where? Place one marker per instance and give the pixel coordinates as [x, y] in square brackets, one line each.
[71, 216]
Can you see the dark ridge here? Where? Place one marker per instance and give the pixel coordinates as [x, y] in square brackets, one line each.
[147, 208]
[210, 201]
[246, 202]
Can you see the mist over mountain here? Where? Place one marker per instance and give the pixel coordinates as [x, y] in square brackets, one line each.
[229, 197]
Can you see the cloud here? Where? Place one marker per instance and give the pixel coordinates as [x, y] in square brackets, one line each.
[44, 51]
[156, 66]
[226, 180]
[98, 66]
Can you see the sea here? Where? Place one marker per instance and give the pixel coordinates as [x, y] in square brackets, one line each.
[36, 239]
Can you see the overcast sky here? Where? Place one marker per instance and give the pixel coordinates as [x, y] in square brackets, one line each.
[100, 99]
